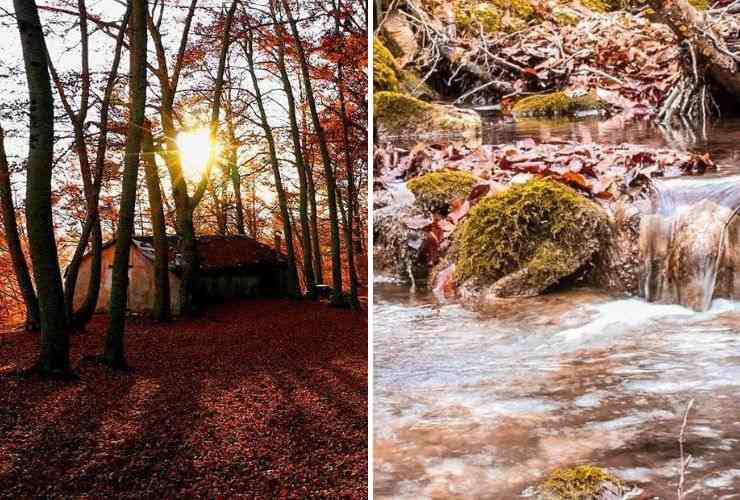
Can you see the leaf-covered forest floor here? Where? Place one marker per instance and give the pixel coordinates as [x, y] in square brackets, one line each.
[258, 399]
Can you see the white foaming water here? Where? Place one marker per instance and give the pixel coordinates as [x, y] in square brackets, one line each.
[620, 316]
[386, 279]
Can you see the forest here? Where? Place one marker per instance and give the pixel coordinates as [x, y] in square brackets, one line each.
[195, 171]
[556, 248]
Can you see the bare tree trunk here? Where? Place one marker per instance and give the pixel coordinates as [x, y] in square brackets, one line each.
[308, 272]
[236, 180]
[20, 267]
[349, 216]
[162, 310]
[293, 286]
[253, 210]
[185, 205]
[53, 358]
[91, 184]
[318, 267]
[336, 257]
[114, 350]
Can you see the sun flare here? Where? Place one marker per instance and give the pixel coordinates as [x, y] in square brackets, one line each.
[195, 147]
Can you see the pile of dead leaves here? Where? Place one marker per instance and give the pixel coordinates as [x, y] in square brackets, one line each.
[630, 62]
[598, 171]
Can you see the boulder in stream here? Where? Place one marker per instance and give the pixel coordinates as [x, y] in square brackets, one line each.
[528, 238]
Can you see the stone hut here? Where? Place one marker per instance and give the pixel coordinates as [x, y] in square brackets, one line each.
[231, 267]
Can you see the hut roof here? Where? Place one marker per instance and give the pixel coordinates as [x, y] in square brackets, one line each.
[216, 253]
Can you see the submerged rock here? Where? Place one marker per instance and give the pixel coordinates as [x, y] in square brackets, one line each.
[398, 114]
[527, 238]
[584, 482]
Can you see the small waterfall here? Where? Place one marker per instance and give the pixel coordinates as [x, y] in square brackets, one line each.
[690, 242]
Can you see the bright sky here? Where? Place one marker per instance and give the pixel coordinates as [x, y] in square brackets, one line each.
[63, 41]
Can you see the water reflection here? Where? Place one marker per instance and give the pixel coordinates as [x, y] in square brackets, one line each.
[721, 141]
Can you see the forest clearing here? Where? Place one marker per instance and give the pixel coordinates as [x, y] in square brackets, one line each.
[556, 249]
[256, 398]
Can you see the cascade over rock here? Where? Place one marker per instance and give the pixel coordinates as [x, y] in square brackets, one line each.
[688, 242]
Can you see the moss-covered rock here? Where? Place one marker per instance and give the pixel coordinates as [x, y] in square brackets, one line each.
[435, 190]
[605, 5]
[492, 16]
[397, 113]
[385, 69]
[527, 238]
[584, 482]
[564, 16]
[700, 4]
[557, 104]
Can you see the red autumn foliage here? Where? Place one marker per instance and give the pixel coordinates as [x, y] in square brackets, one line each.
[261, 399]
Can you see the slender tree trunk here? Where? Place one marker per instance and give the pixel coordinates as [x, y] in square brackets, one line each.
[237, 184]
[293, 286]
[86, 311]
[318, 267]
[77, 120]
[236, 180]
[349, 216]
[336, 256]
[92, 223]
[114, 350]
[20, 267]
[162, 310]
[54, 354]
[253, 210]
[185, 205]
[308, 272]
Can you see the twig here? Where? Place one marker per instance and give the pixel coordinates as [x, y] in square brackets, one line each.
[684, 461]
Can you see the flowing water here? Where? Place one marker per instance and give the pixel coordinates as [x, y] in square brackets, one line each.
[484, 404]
[684, 239]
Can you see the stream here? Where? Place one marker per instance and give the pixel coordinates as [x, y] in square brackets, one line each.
[484, 404]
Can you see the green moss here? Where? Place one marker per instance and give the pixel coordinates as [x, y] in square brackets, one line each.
[583, 482]
[411, 84]
[700, 4]
[604, 5]
[556, 104]
[542, 225]
[492, 16]
[437, 189]
[385, 69]
[565, 16]
[398, 111]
